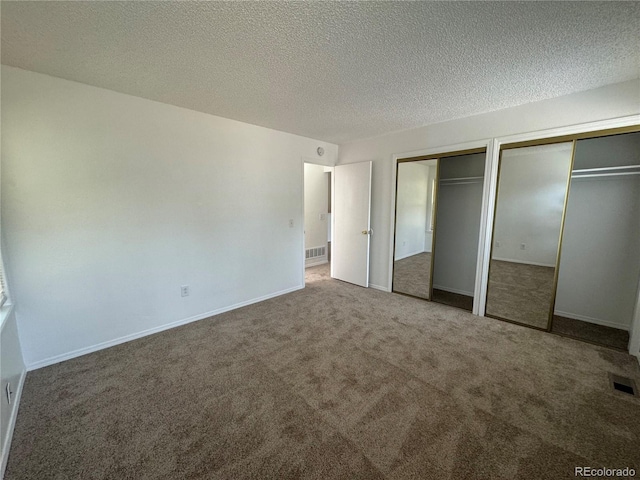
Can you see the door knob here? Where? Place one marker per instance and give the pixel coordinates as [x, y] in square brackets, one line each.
[366, 232]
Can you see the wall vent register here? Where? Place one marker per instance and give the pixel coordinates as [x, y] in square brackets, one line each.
[315, 252]
[622, 384]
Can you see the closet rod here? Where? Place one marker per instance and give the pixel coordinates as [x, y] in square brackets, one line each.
[596, 175]
[602, 169]
[458, 179]
[460, 183]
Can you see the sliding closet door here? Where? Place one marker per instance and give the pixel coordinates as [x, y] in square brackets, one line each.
[459, 208]
[415, 194]
[600, 261]
[532, 187]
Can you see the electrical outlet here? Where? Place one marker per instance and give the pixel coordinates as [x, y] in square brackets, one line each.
[9, 392]
[523, 246]
[291, 223]
[323, 217]
[497, 244]
[184, 290]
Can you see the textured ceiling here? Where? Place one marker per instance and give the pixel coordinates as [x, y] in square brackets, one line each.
[335, 71]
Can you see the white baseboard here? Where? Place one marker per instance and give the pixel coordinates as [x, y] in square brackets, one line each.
[417, 252]
[511, 260]
[453, 290]
[12, 423]
[316, 261]
[127, 338]
[379, 287]
[597, 321]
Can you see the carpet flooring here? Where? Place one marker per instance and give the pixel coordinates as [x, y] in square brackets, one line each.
[453, 299]
[611, 337]
[333, 381]
[411, 275]
[520, 292]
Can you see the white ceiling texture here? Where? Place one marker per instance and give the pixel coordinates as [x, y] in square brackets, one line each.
[335, 71]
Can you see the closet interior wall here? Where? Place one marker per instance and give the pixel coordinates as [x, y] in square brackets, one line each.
[459, 209]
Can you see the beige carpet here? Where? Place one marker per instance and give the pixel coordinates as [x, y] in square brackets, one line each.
[331, 382]
[411, 275]
[520, 292]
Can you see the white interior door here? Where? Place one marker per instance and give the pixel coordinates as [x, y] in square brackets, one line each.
[352, 223]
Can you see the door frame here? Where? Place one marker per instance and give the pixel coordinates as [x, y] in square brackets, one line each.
[487, 205]
[331, 168]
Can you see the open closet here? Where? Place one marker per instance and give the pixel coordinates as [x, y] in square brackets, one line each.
[600, 257]
[565, 255]
[437, 225]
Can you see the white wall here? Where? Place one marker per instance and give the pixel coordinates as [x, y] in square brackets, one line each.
[603, 103]
[600, 262]
[12, 371]
[411, 209]
[459, 208]
[531, 194]
[111, 202]
[316, 203]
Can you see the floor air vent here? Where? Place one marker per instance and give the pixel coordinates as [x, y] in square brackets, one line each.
[622, 384]
[315, 252]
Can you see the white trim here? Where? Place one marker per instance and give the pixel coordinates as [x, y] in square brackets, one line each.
[453, 290]
[369, 227]
[303, 246]
[379, 287]
[525, 262]
[489, 190]
[12, 423]
[417, 153]
[317, 261]
[551, 133]
[596, 321]
[327, 169]
[127, 338]
[392, 223]
[332, 214]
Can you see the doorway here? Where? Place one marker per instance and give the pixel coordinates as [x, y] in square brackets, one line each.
[317, 217]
